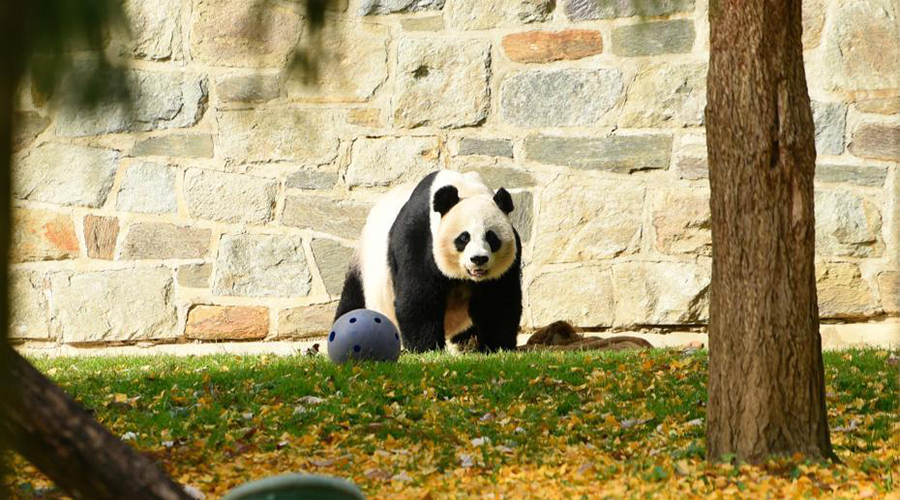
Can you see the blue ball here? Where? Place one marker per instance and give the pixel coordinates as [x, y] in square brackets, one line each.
[363, 334]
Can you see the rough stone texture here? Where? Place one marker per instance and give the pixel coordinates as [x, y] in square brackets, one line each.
[599, 220]
[682, 222]
[261, 265]
[378, 7]
[384, 161]
[842, 291]
[28, 125]
[243, 33]
[481, 15]
[305, 322]
[182, 145]
[227, 323]
[352, 65]
[692, 167]
[862, 47]
[881, 106]
[431, 23]
[255, 88]
[229, 197]
[148, 188]
[28, 315]
[661, 293]
[311, 179]
[325, 215]
[506, 177]
[65, 175]
[871, 175]
[522, 216]
[364, 117]
[559, 98]
[649, 39]
[485, 147]
[160, 240]
[846, 225]
[124, 305]
[889, 289]
[441, 83]
[549, 46]
[41, 235]
[332, 259]
[830, 119]
[880, 142]
[194, 275]
[813, 22]
[160, 100]
[155, 30]
[100, 235]
[264, 135]
[581, 10]
[666, 95]
[583, 296]
[615, 153]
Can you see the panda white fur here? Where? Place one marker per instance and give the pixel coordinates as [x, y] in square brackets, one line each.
[442, 260]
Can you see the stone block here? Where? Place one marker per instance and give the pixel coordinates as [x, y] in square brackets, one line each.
[364, 117]
[380, 7]
[65, 175]
[160, 240]
[27, 126]
[522, 216]
[481, 15]
[325, 215]
[227, 323]
[652, 39]
[306, 322]
[880, 106]
[311, 179]
[583, 10]
[441, 83]
[505, 177]
[148, 188]
[430, 23]
[666, 95]
[100, 236]
[352, 65]
[155, 29]
[587, 219]
[40, 235]
[615, 153]
[682, 222]
[583, 296]
[194, 275]
[661, 293]
[559, 98]
[692, 167]
[382, 161]
[829, 118]
[28, 314]
[261, 265]
[549, 46]
[813, 22]
[176, 145]
[485, 147]
[229, 197]
[264, 135]
[108, 306]
[255, 89]
[889, 288]
[842, 291]
[847, 225]
[876, 141]
[861, 47]
[870, 175]
[243, 33]
[332, 259]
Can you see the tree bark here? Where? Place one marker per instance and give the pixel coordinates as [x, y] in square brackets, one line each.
[62, 440]
[766, 379]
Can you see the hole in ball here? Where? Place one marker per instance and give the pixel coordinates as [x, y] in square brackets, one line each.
[397, 336]
[357, 348]
[331, 337]
[353, 320]
[378, 320]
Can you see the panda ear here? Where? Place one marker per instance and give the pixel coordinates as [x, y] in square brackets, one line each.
[504, 201]
[444, 199]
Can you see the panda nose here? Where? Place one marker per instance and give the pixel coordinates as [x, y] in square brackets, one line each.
[480, 259]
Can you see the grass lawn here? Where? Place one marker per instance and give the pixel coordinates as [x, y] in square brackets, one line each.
[517, 425]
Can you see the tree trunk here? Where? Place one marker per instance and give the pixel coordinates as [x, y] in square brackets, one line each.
[766, 379]
[62, 440]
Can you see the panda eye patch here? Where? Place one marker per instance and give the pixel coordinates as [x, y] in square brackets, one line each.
[493, 241]
[461, 241]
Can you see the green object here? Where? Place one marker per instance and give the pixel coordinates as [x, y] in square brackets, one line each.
[297, 487]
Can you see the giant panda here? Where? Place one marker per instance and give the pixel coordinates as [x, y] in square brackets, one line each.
[443, 261]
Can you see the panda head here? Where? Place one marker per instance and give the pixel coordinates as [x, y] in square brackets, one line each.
[473, 239]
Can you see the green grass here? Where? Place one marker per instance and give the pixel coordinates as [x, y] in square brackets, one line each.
[631, 407]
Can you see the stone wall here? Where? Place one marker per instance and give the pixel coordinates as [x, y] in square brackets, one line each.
[226, 205]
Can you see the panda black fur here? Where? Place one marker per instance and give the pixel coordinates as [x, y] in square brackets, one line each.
[415, 265]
